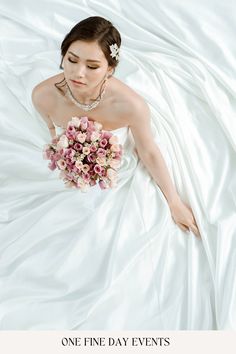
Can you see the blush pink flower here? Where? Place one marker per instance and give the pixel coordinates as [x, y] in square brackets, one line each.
[102, 184]
[101, 152]
[83, 123]
[113, 140]
[115, 147]
[86, 177]
[61, 164]
[85, 155]
[91, 157]
[81, 137]
[97, 168]
[93, 148]
[95, 136]
[103, 142]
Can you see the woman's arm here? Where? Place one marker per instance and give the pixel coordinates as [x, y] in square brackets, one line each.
[41, 101]
[151, 156]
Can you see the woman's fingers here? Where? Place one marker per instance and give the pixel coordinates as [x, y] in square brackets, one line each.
[183, 227]
[192, 228]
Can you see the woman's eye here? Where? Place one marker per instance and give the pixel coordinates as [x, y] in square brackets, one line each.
[90, 67]
[71, 61]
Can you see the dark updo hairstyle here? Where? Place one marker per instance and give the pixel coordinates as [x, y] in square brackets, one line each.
[94, 28]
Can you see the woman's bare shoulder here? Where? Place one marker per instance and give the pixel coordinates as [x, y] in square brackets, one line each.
[129, 102]
[43, 94]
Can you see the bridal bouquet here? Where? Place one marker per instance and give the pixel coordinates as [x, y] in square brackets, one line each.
[85, 155]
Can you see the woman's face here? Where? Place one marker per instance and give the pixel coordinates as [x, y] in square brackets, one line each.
[85, 63]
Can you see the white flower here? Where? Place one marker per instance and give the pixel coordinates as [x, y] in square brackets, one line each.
[97, 125]
[63, 142]
[95, 136]
[75, 122]
[114, 51]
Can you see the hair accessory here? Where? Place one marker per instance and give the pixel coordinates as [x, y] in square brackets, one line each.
[115, 50]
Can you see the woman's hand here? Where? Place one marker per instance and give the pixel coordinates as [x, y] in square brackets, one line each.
[183, 216]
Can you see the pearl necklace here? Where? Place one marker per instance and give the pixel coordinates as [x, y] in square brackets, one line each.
[85, 107]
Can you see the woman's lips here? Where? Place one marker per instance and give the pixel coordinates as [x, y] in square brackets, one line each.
[77, 82]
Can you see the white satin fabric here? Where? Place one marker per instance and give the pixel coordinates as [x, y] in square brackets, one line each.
[115, 259]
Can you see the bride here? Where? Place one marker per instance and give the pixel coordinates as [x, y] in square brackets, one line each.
[90, 53]
[124, 258]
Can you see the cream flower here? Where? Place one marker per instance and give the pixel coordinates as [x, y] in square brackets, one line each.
[75, 121]
[61, 164]
[115, 147]
[98, 125]
[101, 161]
[95, 136]
[113, 140]
[63, 142]
[86, 150]
[79, 164]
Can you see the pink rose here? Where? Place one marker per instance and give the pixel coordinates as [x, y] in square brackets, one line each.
[102, 184]
[78, 146]
[97, 169]
[52, 165]
[93, 148]
[92, 182]
[103, 171]
[106, 135]
[103, 142]
[83, 123]
[101, 152]
[91, 158]
[86, 177]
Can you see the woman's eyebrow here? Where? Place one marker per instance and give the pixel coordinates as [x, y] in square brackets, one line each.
[98, 61]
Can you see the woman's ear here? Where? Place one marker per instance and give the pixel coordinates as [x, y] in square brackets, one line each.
[110, 72]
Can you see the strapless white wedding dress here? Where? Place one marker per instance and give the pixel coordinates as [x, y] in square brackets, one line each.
[101, 260]
[115, 259]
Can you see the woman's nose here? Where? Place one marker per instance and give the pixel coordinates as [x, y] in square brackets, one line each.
[80, 71]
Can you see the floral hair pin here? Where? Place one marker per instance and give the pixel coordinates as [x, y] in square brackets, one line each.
[115, 50]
